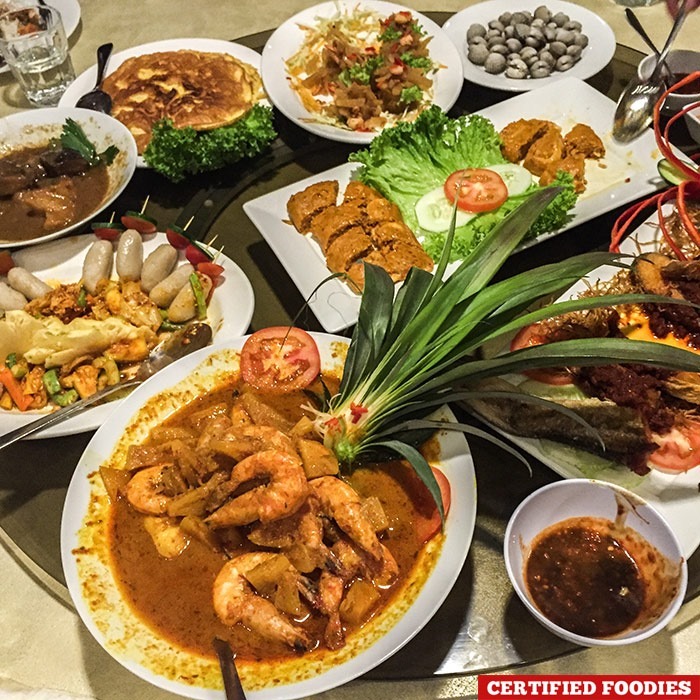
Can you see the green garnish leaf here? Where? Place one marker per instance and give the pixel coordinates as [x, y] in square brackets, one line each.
[411, 94]
[74, 138]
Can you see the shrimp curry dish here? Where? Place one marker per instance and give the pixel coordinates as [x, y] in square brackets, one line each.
[233, 520]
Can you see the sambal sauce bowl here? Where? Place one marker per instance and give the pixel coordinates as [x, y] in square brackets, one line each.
[594, 563]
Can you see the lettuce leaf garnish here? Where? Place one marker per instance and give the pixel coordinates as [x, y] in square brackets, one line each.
[412, 158]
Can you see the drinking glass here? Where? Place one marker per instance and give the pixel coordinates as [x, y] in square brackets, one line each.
[34, 45]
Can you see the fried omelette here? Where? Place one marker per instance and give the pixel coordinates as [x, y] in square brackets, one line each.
[192, 88]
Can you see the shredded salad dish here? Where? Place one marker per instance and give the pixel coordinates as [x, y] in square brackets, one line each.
[361, 71]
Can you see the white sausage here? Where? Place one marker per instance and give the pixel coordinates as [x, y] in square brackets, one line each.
[157, 266]
[10, 299]
[129, 255]
[97, 264]
[26, 283]
[184, 306]
[164, 292]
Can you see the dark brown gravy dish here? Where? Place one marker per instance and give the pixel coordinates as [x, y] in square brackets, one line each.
[46, 188]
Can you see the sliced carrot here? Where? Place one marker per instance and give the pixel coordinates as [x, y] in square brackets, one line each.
[14, 389]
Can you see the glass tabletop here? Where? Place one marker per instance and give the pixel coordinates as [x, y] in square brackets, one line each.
[482, 625]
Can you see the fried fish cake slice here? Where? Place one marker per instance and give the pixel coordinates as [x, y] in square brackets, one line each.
[518, 136]
[547, 149]
[573, 163]
[303, 206]
[346, 249]
[582, 139]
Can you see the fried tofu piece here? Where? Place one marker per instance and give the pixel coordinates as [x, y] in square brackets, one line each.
[518, 136]
[382, 210]
[334, 221]
[347, 248]
[547, 149]
[573, 163]
[303, 206]
[401, 258]
[582, 139]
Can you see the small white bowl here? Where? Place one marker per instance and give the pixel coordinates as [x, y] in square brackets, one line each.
[681, 62]
[692, 120]
[586, 498]
[35, 127]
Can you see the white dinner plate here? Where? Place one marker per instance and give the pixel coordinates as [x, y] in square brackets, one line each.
[86, 80]
[229, 314]
[288, 37]
[70, 16]
[101, 603]
[626, 173]
[675, 496]
[597, 55]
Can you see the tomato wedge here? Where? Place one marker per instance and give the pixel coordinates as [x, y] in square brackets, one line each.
[139, 222]
[6, 262]
[177, 237]
[108, 231]
[195, 254]
[679, 450]
[280, 359]
[526, 338]
[210, 269]
[427, 520]
[477, 189]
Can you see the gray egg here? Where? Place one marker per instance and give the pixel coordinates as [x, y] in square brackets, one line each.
[539, 23]
[514, 61]
[546, 57]
[564, 63]
[522, 30]
[540, 69]
[543, 13]
[475, 30]
[560, 19]
[550, 33]
[500, 48]
[509, 32]
[495, 63]
[496, 41]
[505, 18]
[477, 40]
[516, 73]
[514, 45]
[493, 32]
[528, 52]
[565, 36]
[496, 24]
[574, 51]
[518, 18]
[477, 54]
[581, 40]
[556, 48]
[573, 25]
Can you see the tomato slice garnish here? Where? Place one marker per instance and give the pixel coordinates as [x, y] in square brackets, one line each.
[6, 262]
[477, 189]
[427, 520]
[679, 450]
[210, 269]
[195, 254]
[177, 237]
[108, 231]
[526, 338]
[139, 222]
[280, 359]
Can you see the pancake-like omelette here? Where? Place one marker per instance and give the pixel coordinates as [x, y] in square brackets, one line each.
[193, 88]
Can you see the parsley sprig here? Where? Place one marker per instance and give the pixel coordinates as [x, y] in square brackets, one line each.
[74, 138]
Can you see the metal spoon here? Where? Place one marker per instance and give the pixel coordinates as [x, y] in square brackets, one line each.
[634, 22]
[97, 99]
[635, 107]
[181, 343]
[232, 683]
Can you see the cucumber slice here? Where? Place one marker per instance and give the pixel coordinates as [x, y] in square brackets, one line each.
[670, 172]
[517, 178]
[434, 212]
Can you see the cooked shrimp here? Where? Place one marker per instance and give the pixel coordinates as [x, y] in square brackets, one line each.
[240, 442]
[303, 527]
[236, 602]
[145, 491]
[341, 502]
[283, 495]
[351, 562]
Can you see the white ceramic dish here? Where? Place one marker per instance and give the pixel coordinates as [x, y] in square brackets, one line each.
[230, 311]
[70, 15]
[35, 128]
[680, 62]
[86, 80]
[595, 57]
[288, 37]
[583, 498]
[113, 621]
[630, 173]
[675, 496]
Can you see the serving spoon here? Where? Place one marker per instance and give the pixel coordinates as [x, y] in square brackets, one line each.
[635, 107]
[181, 343]
[634, 22]
[97, 99]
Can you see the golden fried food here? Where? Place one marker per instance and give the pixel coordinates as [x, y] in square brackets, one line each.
[582, 139]
[518, 136]
[192, 88]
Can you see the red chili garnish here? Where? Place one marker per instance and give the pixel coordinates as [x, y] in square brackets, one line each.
[333, 425]
[357, 412]
[210, 269]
